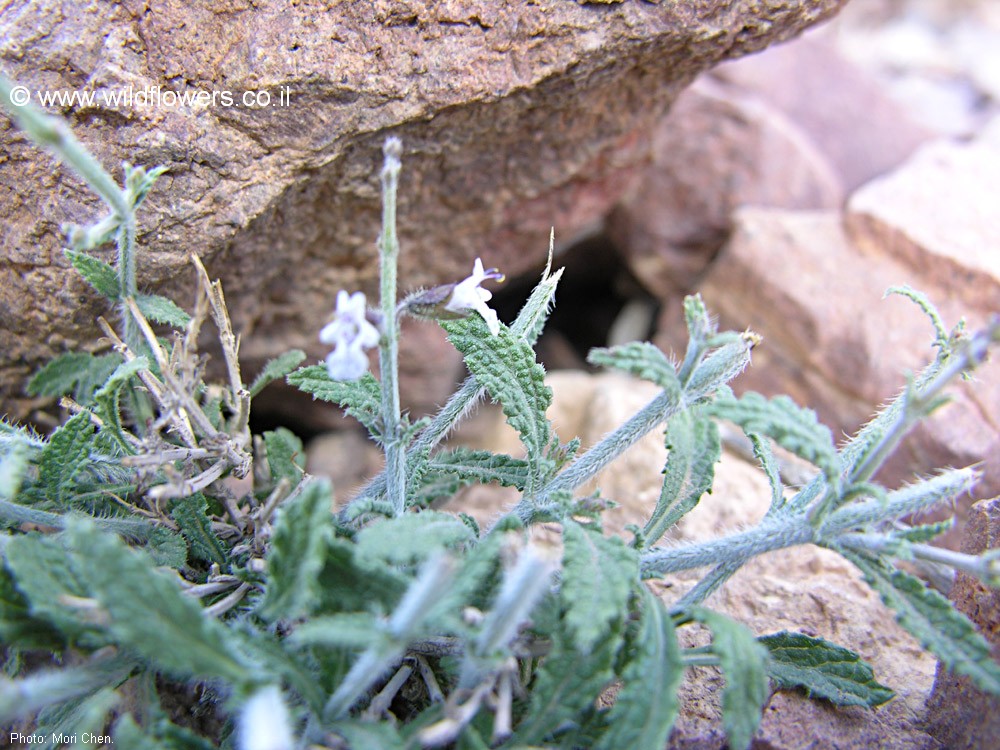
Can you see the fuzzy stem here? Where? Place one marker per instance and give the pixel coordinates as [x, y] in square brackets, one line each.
[395, 450]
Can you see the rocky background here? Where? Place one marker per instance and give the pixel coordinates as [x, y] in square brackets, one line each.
[790, 187]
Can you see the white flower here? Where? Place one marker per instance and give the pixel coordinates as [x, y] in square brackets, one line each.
[467, 295]
[264, 723]
[350, 333]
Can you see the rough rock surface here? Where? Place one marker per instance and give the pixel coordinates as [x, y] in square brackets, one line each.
[805, 589]
[515, 118]
[718, 149]
[938, 214]
[958, 714]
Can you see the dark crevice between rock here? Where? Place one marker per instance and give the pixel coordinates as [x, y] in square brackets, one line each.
[599, 303]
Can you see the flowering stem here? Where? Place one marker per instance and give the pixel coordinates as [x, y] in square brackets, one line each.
[395, 453]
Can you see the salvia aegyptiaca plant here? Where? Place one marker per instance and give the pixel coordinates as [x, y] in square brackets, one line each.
[149, 599]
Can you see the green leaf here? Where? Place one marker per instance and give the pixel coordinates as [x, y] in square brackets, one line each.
[362, 734]
[505, 365]
[18, 626]
[191, 516]
[763, 453]
[97, 273]
[276, 369]
[286, 458]
[361, 399]
[166, 548]
[80, 717]
[699, 322]
[743, 661]
[823, 669]
[599, 574]
[695, 448]
[641, 359]
[411, 538]
[43, 573]
[302, 531]
[448, 471]
[106, 400]
[647, 705]
[14, 462]
[348, 584]
[535, 312]
[162, 310]
[65, 456]
[147, 611]
[565, 687]
[932, 620]
[794, 428]
[351, 630]
[923, 533]
[74, 372]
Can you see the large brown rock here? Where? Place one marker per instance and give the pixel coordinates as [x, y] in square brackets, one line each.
[514, 117]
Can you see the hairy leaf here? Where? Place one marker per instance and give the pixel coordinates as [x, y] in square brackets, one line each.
[299, 542]
[448, 471]
[647, 706]
[505, 365]
[43, 573]
[695, 447]
[535, 312]
[348, 584]
[599, 574]
[792, 427]
[106, 400]
[65, 456]
[166, 548]
[743, 661]
[162, 310]
[641, 359]
[411, 538]
[699, 322]
[191, 516]
[932, 620]
[97, 273]
[286, 457]
[147, 611]
[823, 669]
[361, 399]
[75, 373]
[276, 369]
[352, 630]
[565, 687]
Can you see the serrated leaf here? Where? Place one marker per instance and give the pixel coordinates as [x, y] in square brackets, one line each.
[97, 273]
[695, 448]
[106, 400]
[44, 574]
[286, 457]
[931, 619]
[81, 716]
[533, 315]
[794, 428]
[302, 531]
[78, 373]
[166, 548]
[191, 516]
[647, 706]
[641, 359]
[699, 322]
[349, 585]
[565, 687]
[448, 471]
[411, 538]
[276, 369]
[598, 576]
[505, 366]
[65, 456]
[823, 669]
[361, 398]
[147, 611]
[743, 661]
[924, 532]
[162, 310]
[763, 453]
